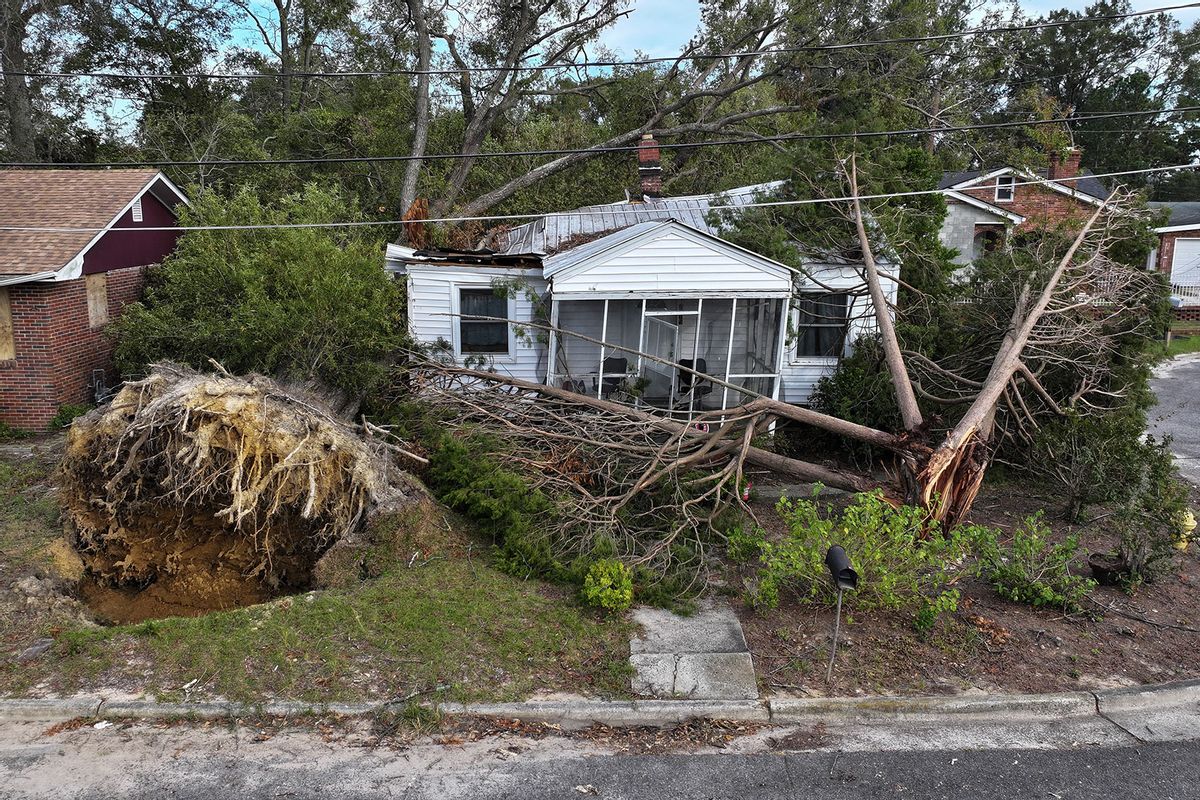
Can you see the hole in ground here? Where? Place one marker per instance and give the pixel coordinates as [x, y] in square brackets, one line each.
[200, 567]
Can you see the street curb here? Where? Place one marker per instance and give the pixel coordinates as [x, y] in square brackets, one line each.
[1179, 698]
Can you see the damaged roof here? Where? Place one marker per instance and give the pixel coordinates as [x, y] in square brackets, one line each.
[563, 230]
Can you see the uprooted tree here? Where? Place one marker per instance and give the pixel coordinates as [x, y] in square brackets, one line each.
[216, 489]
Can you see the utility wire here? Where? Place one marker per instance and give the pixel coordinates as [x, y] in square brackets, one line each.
[782, 137]
[624, 209]
[814, 48]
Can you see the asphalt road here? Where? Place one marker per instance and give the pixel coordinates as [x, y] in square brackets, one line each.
[1177, 384]
[1160, 771]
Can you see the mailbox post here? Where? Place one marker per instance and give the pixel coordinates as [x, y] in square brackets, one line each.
[844, 577]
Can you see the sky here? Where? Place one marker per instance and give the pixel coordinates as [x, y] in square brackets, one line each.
[662, 27]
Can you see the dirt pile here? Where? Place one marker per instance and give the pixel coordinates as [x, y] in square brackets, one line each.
[192, 492]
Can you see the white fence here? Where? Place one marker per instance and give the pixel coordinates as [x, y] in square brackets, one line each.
[1190, 295]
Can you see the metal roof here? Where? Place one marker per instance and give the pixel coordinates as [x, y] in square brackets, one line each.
[561, 230]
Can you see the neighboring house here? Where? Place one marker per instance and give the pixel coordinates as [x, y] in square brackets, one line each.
[985, 205]
[1178, 256]
[60, 287]
[652, 276]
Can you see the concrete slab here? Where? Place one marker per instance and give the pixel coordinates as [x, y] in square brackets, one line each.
[1157, 714]
[714, 629]
[695, 676]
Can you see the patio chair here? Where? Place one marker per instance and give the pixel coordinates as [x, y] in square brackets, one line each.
[694, 385]
[614, 370]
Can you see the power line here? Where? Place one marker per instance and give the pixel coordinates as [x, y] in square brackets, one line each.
[782, 137]
[607, 64]
[626, 209]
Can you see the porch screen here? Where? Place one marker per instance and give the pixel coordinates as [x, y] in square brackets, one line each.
[481, 335]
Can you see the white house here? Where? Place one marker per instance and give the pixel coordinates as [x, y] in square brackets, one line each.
[632, 291]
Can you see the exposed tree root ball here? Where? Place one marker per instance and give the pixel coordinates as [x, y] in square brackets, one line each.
[191, 492]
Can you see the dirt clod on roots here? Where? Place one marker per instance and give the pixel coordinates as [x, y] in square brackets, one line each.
[194, 492]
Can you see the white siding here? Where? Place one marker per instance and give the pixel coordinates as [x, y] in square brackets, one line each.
[800, 375]
[433, 299]
[672, 265]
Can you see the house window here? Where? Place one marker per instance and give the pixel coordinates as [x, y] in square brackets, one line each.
[481, 336]
[8, 340]
[821, 324]
[1005, 189]
[137, 210]
[97, 299]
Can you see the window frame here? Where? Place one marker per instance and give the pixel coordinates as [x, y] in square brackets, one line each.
[794, 349]
[457, 290]
[1006, 183]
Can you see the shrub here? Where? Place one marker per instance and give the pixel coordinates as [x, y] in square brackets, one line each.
[1149, 523]
[609, 585]
[904, 560]
[305, 304]
[859, 390]
[1032, 569]
[67, 414]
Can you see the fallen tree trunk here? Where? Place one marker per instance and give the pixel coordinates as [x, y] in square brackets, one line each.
[796, 468]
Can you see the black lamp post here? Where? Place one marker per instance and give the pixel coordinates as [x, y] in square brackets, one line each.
[844, 577]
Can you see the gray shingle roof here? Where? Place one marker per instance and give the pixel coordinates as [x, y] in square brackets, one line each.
[1181, 213]
[548, 234]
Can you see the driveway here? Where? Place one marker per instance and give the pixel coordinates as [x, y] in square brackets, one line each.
[1177, 384]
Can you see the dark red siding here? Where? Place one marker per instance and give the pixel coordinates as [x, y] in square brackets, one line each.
[119, 249]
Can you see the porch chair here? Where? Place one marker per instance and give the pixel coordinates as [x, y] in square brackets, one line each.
[613, 371]
[694, 385]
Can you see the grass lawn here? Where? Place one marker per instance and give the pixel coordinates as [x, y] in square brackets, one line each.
[449, 624]
[1184, 341]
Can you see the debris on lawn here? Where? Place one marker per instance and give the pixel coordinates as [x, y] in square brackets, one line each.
[191, 492]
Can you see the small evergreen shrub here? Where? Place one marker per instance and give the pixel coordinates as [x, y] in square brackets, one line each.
[1032, 569]
[67, 414]
[1150, 522]
[608, 585]
[904, 561]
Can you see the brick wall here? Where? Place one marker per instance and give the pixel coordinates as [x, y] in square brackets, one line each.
[1040, 206]
[56, 348]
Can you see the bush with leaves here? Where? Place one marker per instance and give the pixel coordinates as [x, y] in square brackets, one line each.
[903, 559]
[608, 584]
[1150, 522]
[1031, 568]
[304, 304]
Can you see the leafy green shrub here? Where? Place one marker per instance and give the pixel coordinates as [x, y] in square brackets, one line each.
[1032, 569]
[904, 560]
[744, 542]
[1149, 523]
[608, 584]
[859, 390]
[67, 414]
[295, 303]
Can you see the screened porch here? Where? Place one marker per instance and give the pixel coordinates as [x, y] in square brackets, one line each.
[639, 350]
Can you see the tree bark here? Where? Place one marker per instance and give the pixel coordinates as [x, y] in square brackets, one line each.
[412, 171]
[21, 134]
[906, 398]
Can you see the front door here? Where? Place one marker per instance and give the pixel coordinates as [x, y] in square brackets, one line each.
[661, 340]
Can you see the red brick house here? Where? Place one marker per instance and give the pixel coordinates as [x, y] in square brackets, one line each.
[1178, 256]
[982, 206]
[60, 287]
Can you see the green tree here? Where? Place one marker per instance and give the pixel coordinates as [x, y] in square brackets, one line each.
[307, 304]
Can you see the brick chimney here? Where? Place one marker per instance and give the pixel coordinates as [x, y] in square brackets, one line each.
[1064, 166]
[649, 168]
